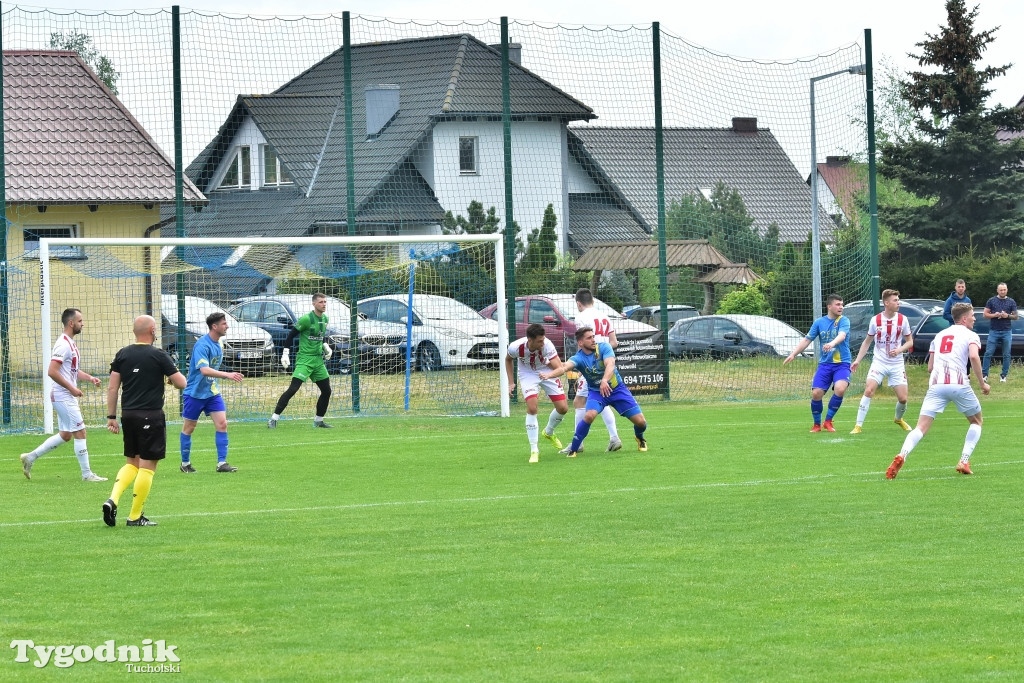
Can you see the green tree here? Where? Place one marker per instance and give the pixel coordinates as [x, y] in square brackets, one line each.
[82, 44]
[478, 222]
[974, 182]
[542, 244]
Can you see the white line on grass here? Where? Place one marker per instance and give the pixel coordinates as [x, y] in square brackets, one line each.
[816, 479]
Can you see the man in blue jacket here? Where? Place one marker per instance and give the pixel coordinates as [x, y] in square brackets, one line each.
[957, 296]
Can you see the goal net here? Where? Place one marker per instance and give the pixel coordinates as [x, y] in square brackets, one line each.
[402, 318]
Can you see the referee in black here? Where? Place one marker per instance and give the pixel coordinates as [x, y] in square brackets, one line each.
[139, 370]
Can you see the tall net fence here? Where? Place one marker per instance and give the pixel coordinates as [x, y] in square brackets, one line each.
[281, 138]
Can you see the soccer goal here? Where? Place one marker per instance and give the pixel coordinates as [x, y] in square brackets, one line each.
[403, 326]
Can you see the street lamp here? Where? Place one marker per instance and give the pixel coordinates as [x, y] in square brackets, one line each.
[858, 70]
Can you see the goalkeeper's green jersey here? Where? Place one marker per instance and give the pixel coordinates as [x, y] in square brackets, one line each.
[312, 334]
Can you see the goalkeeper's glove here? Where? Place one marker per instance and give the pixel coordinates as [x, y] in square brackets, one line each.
[327, 351]
[285, 360]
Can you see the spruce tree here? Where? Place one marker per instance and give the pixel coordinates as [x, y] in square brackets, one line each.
[974, 183]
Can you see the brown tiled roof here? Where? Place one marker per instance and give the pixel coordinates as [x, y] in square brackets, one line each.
[844, 179]
[633, 255]
[69, 140]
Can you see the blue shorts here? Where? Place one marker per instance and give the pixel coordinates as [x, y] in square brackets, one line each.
[620, 399]
[830, 373]
[194, 407]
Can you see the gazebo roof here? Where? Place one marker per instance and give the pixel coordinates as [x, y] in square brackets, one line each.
[729, 274]
[634, 255]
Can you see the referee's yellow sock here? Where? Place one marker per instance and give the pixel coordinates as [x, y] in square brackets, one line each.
[125, 476]
[140, 492]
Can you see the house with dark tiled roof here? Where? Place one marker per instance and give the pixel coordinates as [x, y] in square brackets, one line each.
[742, 156]
[428, 139]
[77, 164]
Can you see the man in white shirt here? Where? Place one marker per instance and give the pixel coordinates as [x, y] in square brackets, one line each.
[65, 369]
[890, 332]
[950, 353]
[534, 352]
[588, 316]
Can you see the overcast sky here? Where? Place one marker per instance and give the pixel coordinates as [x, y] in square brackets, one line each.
[760, 29]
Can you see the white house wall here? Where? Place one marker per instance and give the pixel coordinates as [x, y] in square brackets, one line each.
[247, 134]
[537, 170]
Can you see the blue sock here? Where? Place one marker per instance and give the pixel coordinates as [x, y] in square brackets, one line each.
[638, 431]
[221, 439]
[833, 406]
[582, 429]
[186, 446]
[816, 411]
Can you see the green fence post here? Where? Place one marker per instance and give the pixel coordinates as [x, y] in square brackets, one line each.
[350, 203]
[872, 188]
[659, 160]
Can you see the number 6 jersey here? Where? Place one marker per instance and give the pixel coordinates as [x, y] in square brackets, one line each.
[951, 359]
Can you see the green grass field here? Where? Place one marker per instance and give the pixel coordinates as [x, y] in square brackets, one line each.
[739, 547]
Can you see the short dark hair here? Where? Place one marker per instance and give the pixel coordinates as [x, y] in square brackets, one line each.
[68, 315]
[833, 297]
[581, 331]
[585, 297]
[534, 330]
[215, 318]
[318, 295]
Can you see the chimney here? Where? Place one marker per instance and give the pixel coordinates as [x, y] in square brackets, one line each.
[837, 161]
[515, 52]
[382, 103]
[744, 124]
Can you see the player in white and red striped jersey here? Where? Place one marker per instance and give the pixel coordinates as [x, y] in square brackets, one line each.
[535, 352]
[65, 370]
[890, 332]
[951, 353]
[588, 316]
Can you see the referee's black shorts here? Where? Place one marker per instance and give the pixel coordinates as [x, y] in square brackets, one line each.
[145, 434]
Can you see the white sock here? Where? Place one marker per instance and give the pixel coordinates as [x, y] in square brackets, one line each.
[913, 436]
[608, 415]
[275, 416]
[318, 418]
[973, 436]
[554, 420]
[901, 410]
[862, 410]
[82, 453]
[580, 412]
[46, 446]
[531, 431]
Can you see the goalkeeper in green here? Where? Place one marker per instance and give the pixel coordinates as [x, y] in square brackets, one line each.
[311, 329]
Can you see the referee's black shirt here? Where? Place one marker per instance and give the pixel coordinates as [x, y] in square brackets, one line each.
[142, 368]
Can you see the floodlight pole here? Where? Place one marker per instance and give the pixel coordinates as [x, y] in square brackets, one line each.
[815, 232]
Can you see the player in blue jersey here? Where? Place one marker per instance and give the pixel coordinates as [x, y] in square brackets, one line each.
[596, 362]
[203, 395]
[832, 331]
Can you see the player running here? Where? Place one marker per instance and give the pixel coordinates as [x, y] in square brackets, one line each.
[533, 352]
[65, 369]
[596, 362]
[311, 329]
[950, 353]
[887, 329]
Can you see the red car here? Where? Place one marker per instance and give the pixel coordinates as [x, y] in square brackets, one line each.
[557, 313]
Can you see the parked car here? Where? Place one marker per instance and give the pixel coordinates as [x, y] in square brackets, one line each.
[934, 323]
[926, 305]
[557, 313]
[733, 336]
[381, 345]
[247, 348]
[445, 333]
[651, 315]
[860, 312]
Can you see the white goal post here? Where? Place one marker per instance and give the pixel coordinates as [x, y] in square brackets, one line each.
[46, 253]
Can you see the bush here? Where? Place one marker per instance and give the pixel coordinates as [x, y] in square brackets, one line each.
[749, 300]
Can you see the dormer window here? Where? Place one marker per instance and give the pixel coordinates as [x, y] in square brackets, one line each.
[238, 174]
[274, 173]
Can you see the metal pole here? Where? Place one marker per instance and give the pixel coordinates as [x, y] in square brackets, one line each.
[509, 291]
[181, 342]
[659, 162]
[872, 188]
[5, 309]
[815, 235]
[350, 202]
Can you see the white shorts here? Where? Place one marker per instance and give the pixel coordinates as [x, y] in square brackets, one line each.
[896, 374]
[69, 416]
[939, 395]
[530, 382]
[582, 389]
